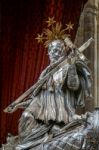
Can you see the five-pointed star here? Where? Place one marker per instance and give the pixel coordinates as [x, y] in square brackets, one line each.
[50, 21]
[69, 26]
[40, 38]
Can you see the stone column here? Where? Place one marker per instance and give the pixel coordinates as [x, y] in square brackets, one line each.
[98, 55]
[87, 29]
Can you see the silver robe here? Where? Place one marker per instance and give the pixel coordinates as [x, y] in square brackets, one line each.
[58, 97]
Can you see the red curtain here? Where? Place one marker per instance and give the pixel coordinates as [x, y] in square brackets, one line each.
[22, 59]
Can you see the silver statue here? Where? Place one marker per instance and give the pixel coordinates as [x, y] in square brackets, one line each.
[50, 107]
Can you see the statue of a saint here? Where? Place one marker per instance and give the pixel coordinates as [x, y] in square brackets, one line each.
[54, 104]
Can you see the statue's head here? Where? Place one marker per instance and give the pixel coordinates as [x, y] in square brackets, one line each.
[59, 48]
[56, 49]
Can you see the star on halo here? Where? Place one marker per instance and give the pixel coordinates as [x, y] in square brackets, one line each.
[50, 21]
[69, 26]
[39, 38]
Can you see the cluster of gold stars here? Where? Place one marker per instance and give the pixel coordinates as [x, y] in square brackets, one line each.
[56, 32]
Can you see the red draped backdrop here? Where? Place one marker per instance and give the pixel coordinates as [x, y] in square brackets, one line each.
[22, 59]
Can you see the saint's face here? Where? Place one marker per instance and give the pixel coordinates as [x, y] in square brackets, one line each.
[56, 50]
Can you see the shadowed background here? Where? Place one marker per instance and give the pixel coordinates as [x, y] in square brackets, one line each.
[22, 59]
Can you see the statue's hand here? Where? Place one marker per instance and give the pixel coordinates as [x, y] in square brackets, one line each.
[76, 117]
[72, 57]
